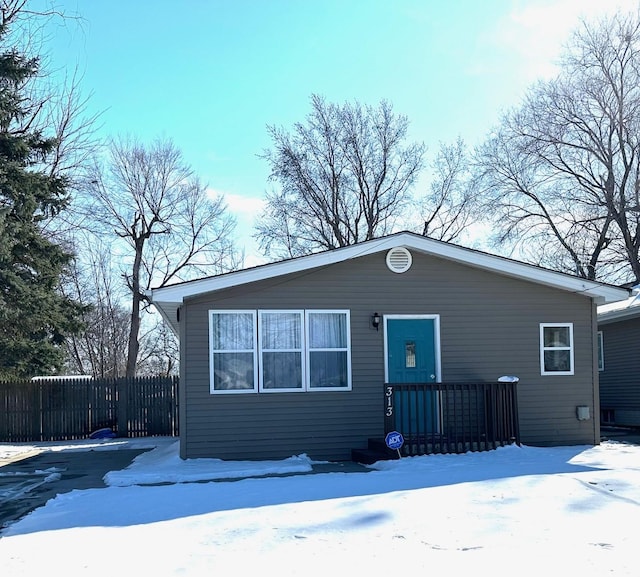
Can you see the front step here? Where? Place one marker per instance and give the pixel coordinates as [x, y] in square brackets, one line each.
[376, 451]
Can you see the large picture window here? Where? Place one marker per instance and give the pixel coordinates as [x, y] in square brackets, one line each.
[556, 349]
[280, 351]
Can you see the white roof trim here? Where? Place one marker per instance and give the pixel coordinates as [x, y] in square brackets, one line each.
[176, 294]
[620, 310]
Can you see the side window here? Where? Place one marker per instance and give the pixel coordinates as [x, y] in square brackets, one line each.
[281, 352]
[232, 345]
[600, 351]
[556, 349]
[329, 350]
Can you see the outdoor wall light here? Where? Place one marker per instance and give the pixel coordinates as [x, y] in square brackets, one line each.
[375, 320]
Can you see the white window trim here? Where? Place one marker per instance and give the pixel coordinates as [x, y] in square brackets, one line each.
[346, 349]
[258, 350]
[301, 350]
[600, 351]
[570, 348]
[212, 352]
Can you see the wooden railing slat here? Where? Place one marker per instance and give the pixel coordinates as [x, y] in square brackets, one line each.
[462, 416]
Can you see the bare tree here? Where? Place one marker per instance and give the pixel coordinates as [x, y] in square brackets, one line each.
[75, 127]
[101, 348]
[52, 105]
[447, 207]
[164, 223]
[560, 176]
[345, 176]
[20, 12]
[159, 351]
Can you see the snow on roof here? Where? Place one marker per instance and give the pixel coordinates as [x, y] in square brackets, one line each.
[621, 310]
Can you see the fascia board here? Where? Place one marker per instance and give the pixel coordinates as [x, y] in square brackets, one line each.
[177, 293]
[625, 312]
[601, 293]
[617, 316]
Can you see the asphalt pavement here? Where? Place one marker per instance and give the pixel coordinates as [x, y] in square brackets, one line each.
[29, 483]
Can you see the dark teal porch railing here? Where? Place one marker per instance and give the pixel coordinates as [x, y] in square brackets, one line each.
[452, 417]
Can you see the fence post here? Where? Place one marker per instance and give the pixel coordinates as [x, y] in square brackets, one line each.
[122, 388]
[515, 419]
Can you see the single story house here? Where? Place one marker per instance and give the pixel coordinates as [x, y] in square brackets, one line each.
[292, 357]
[619, 361]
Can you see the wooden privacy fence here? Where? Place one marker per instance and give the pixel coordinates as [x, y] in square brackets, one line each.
[452, 417]
[73, 408]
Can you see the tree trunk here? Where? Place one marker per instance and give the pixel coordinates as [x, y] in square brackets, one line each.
[134, 329]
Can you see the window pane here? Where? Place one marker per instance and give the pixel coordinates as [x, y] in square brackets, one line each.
[600, 352]
[557, 361]
[328, 369]
[232, 331]
[281, 330]
[556, 337]
[327, 330]
[282, 370]
[232, 371]
[410, 354]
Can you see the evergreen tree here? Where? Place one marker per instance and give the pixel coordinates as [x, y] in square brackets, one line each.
[34, 315]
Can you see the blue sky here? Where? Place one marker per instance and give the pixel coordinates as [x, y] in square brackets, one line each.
[212, 74]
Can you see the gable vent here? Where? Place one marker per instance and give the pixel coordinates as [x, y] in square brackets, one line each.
[399, 259]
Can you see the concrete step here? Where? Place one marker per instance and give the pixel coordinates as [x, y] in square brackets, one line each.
[376, 451]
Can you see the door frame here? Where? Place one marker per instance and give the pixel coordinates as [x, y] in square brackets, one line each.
[436, 340]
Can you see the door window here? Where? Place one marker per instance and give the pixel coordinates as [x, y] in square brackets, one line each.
[410, 354]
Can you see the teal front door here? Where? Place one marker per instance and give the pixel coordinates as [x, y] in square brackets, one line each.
[412, 357]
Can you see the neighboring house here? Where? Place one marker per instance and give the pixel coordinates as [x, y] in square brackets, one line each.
[285, 358]
[619, 361]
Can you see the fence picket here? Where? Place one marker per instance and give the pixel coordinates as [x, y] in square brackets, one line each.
[68, 409]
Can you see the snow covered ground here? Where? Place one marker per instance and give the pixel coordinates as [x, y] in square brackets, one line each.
[513, 511]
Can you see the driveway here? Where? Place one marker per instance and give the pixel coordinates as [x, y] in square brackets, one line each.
[29, 483]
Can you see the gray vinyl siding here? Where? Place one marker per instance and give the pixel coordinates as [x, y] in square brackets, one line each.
[620, 379]
[489, 326]
[182, 392]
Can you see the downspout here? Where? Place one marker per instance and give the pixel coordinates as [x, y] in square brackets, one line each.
[596, 374]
